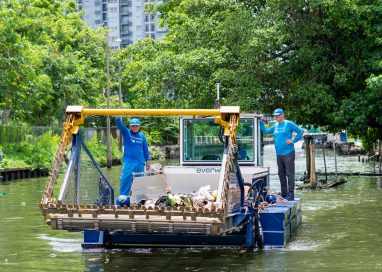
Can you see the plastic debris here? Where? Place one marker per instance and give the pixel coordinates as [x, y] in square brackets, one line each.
[203, 198]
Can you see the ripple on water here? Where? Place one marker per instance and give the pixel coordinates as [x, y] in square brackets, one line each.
[301, 245]
[62, 244]
[14, 218]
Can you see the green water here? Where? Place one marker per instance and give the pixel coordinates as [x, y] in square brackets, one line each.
[341, 231]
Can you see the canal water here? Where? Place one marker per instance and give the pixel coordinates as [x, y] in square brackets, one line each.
[341, 231]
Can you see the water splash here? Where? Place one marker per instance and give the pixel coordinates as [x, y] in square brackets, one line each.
[62, 244]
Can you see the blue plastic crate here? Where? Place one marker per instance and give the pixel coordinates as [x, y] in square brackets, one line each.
[277, 238]
[295, 221]
[93, 239]
[275, 218]
[295, 206]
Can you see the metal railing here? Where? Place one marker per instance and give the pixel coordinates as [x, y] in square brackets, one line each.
[11, 134]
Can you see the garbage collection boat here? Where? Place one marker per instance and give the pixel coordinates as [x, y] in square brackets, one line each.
[220, 185]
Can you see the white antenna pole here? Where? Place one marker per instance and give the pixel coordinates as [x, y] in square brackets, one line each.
[217, 102]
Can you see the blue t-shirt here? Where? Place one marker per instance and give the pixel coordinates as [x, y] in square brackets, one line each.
[281, 133]
[135, 144]
[243, 154]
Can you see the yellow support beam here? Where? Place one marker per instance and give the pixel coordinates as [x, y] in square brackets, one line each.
[151, 112]
[221, 115]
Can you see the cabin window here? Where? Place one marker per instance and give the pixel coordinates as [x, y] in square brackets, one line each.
[201, 141]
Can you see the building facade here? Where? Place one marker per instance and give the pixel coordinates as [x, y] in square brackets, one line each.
[126, 20]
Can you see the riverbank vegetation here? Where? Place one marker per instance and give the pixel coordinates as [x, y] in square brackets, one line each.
[319, 60]
[34, 153]
[37, 152]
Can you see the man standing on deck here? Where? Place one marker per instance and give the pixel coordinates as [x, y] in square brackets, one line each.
[136, 153]
[284, 145]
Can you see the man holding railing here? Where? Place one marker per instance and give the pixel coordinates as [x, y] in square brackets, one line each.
[136, 153]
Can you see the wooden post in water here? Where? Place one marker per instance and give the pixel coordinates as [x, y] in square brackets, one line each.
[312, 177]
[335, 159]
[310, 160]
[380, 156]
[323, 154]
[307, 155]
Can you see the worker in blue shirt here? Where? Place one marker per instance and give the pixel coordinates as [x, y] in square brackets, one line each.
[136, 153]
[284, 145]
[242, 153]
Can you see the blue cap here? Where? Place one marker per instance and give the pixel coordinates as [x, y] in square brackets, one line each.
[278, 112]
[134, 122]
[271, 199]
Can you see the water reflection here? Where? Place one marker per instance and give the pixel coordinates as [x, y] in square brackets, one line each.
[175, 259]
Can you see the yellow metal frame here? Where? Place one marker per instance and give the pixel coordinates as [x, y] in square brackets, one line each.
[226, 116]
[58, 214]
[222, 115]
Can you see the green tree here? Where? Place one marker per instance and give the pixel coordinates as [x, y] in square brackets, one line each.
[49, 58]
[204, 43]
[320, 60]
[333, 52]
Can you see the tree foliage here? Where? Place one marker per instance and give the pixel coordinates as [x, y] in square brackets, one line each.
[320, 60]
[49, 58]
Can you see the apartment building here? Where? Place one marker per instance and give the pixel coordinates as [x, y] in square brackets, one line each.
[126, 20]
